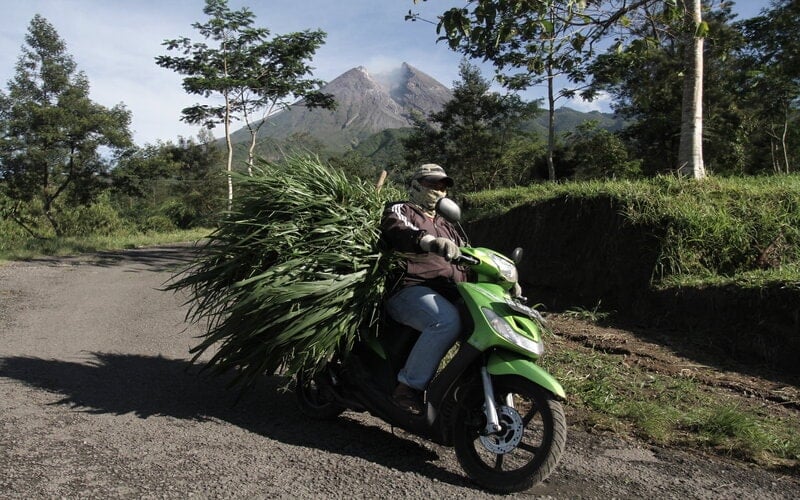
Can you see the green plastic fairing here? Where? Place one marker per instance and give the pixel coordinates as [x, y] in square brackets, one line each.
[506, 363]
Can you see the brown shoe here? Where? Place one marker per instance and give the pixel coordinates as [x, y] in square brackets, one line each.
[408, 399]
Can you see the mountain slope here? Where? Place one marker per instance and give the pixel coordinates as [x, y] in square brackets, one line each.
[366, 105]
[568, 119]
[373, 112]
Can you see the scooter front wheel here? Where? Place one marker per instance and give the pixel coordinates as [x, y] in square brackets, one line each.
[315, 397]
[526, 449]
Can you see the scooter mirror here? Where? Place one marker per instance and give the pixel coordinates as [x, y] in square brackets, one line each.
[516, 255]
[449, 209]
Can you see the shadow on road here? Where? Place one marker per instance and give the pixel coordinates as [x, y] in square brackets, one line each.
[158, 259]
[155, 386]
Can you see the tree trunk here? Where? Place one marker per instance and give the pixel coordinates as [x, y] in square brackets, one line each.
[48, 213]
[690, 151]
[251, 157]
[551, 125]
[784, 144]
[776, 167]
[229, 144]
[253, 136]
[254, 129]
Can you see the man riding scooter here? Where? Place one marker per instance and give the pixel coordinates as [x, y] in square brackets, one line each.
[424, 294]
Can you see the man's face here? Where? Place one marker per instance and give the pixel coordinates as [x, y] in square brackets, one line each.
[433, 183]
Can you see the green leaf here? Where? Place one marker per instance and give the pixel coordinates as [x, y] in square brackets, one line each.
[702, 30]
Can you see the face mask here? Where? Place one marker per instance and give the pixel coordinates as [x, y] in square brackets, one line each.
[425, 197]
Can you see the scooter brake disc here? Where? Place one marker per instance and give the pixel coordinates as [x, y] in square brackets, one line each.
[510, 434]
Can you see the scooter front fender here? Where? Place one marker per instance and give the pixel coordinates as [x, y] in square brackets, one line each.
[509, 363]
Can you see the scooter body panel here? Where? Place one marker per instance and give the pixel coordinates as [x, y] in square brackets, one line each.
[480, 297]
[507, 363]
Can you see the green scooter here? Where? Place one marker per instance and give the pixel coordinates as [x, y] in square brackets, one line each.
[490, 401]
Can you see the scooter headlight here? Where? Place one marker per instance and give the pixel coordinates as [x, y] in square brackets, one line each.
[507, 268]
[505, 330]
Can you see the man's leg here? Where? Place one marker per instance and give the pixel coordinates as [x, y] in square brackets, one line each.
[439, 323]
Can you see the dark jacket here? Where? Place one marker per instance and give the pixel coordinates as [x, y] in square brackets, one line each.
[402, 226]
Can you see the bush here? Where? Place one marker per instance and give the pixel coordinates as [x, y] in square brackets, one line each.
[182, 214]
[596, 153]
[99, 218]
[12, 234]
[157, 224]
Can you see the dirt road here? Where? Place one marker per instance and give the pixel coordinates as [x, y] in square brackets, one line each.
[98, 399]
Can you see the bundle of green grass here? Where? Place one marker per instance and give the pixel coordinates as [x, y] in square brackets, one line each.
[292, 275]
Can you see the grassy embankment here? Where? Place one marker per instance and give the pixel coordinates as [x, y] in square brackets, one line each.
[743, 231]
[28, 248]
[733, 232]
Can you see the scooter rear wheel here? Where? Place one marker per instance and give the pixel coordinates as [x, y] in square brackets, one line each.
[315, 398]
[529, 445]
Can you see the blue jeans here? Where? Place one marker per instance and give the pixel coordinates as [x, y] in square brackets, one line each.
[437, 319]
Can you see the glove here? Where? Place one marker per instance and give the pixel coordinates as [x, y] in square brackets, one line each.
[516, 290]
[440, 246]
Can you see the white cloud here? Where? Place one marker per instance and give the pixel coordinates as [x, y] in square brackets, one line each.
[382, 63]
[601, 103]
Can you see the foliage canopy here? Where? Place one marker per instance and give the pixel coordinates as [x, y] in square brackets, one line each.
[57, 144]
[473, 135]
[246, 68]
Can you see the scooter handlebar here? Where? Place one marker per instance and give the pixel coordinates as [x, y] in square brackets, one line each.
[465, 259]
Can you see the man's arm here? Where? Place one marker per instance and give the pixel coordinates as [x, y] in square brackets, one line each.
[398, 229]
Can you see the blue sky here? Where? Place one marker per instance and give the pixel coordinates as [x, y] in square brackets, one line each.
[115, 42]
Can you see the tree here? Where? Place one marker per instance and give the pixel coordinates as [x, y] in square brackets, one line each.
[197, 185]
[250, 72]
[57, 145]
[277, 75]
[773, 83]
[543, 39]
[596, 153]
[528, 43]
[646, 81]
[690, 149]
[177, 179]
[469, 137]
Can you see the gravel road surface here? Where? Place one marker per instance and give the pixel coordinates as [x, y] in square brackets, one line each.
[98, 398]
